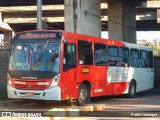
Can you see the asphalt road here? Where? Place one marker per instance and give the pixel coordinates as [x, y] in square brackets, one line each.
[145, 104]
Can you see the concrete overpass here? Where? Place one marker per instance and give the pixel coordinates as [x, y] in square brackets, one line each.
[25, 16]
[21, 15]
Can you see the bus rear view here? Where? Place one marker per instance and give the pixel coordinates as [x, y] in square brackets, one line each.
[35, 65]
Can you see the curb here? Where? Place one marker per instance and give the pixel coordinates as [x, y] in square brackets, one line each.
[75, 111]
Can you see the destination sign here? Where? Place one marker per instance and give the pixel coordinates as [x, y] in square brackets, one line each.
[37, 35]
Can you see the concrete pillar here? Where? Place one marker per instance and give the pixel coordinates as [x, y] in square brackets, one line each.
[7, 39]
[158, 15]
[0, 17]
[4, 57]
[6, 29]
[122, 22]
[83, 16]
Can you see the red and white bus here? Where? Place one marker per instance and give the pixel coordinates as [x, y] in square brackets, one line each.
[50, 65]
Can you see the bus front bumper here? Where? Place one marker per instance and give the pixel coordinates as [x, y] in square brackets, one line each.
[48, 94]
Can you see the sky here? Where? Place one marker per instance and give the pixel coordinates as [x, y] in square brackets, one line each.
[141, 35]
[148, 35]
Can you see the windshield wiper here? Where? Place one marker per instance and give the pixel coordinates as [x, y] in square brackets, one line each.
[44, 48]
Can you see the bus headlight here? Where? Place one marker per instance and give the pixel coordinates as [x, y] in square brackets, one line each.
[55, 81]
[9, 80]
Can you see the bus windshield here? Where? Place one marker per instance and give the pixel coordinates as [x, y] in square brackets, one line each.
[35, 56]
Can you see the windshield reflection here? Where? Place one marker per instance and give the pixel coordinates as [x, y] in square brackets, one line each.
[35, 56]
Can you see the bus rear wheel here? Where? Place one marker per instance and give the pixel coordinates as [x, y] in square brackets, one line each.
[132, 89]
[82, 95]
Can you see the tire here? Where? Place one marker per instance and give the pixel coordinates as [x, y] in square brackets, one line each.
[40, 102]
[82, 95]
[132, 90]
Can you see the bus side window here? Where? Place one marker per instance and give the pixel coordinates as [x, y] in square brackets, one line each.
[124, 57]
[150, 59]
[69, 59]
[143, 56]
[134, 55]
[100, 55]
[85, 56]
[113, 56]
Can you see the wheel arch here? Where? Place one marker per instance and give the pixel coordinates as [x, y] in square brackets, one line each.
[88, 85]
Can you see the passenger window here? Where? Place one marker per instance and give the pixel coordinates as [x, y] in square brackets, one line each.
[150, 59]
[113, 56]
[85, 56]
[124, 57]
[100, 55]
[134, 55]
[144, 61]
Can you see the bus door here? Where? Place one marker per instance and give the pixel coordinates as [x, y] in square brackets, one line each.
[124, 63]
[100, 69]
[135, 70]
[85, 63]
[151, 69]
[69, 74]
[144, 69]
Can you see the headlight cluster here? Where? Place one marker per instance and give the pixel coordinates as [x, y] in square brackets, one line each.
[55, 81]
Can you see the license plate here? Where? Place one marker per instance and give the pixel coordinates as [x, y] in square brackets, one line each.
[29, 94]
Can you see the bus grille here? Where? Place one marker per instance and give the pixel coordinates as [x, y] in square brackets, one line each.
[31, 85]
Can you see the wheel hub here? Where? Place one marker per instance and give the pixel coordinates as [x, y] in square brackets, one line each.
[82, 94]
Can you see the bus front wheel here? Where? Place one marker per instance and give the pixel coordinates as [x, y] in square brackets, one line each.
[132, 89]
[82, 95]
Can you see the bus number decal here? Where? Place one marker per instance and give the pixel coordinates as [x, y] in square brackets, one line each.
[42, 83]
[98, 90]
